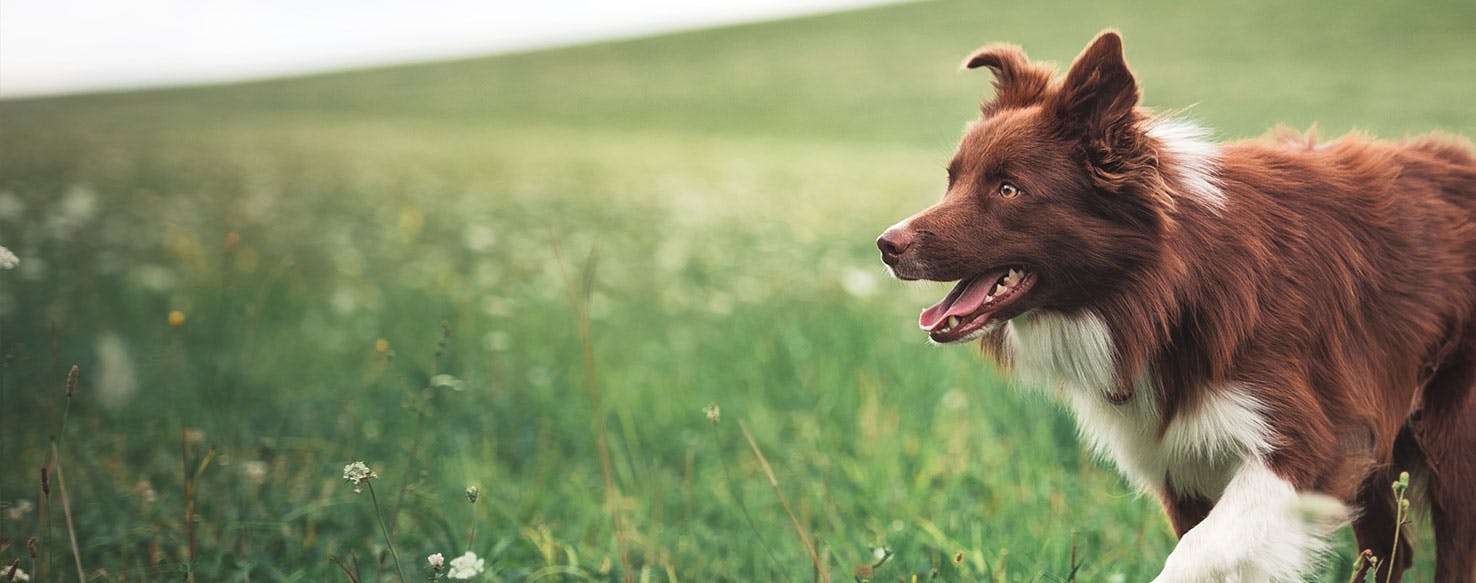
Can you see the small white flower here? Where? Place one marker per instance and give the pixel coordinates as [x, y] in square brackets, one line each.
[712, 412]
[466, 566]
[448, 381]
[436, 561]
[8, 260]
[859, 283]
[19, 509]
[358, 472]
[255, 470]
[880, 552]
[17, 575]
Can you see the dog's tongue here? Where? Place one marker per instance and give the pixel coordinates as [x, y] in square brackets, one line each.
[965, 299]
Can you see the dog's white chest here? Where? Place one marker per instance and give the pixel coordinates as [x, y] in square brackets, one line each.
[1197, 453]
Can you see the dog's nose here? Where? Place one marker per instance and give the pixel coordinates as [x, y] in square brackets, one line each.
[893, 243]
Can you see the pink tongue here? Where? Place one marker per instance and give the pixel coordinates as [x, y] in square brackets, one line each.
[965, 299]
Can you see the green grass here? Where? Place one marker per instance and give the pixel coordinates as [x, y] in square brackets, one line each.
[732, 181]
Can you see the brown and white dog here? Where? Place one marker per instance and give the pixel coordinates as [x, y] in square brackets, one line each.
[1261, 333]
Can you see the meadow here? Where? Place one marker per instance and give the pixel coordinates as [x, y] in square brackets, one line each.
[263, 282]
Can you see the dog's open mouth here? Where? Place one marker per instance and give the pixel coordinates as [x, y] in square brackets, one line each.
[975, 303]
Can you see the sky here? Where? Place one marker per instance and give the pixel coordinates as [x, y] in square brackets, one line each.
[71, 46]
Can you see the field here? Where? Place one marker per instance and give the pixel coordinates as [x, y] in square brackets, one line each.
[261, 283]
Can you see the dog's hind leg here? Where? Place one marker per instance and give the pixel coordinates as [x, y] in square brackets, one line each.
[1445, 427]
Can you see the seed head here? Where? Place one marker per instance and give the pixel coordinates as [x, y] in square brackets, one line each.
[72, 380]
[471, 494]
[712, 412]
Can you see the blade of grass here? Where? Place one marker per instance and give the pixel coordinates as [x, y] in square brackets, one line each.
[61, 484]
[579, 298]
[799, 531]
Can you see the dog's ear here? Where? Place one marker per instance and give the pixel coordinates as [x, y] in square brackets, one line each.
[1099, 92]
[1017, 82]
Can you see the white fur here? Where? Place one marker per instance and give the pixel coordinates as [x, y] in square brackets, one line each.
[1193, 157]
[1261, 530]
[1199, 449]
[1048, 348]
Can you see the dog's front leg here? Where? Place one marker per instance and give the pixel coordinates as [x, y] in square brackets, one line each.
[1261, 529]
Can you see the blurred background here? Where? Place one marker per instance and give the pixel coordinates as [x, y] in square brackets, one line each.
[404, 263]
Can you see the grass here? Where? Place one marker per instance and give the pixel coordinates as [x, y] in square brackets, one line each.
[313, 234]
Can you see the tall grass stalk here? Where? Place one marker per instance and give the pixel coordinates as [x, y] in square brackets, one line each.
[382, 528]
[61, 485]
[352, 577]
[1401, 517]
[743, 507]
[579, 299]
[799, 531]
[46, 522]
[191, 487]
[420, 408]
[61, 482]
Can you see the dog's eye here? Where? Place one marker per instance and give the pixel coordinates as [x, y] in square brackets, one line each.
[1008, 190]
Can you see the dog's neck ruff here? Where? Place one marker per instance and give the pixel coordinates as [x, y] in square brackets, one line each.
[1189, 160]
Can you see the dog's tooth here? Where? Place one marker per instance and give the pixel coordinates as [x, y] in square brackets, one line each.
[1012, 278]
[998, 289]
[952, 321]
[988, 298]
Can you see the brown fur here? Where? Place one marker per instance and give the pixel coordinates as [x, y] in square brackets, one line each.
[1338, 282]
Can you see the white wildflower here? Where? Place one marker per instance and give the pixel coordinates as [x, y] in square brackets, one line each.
[712, 412]
[466, 566]
[955, 399]
[859, 282]
[14, 574]
[358, 472]
[19, 509]
[436, 561]
[255, 470]
[479, 238]
[8, 260]
[117, 376]
[448, 382]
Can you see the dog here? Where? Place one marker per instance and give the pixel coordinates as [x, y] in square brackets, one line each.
[1263, 334]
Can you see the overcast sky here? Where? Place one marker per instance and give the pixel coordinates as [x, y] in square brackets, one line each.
[63, 46]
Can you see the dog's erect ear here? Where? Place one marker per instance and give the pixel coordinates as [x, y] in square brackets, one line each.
[1017, 82]
[1099, 92]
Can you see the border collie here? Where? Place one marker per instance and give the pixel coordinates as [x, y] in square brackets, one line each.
[1263, 333]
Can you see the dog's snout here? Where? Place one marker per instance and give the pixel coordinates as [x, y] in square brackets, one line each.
[893, 243]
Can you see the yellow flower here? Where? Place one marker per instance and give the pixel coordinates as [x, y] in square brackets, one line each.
[381, 346]
[176, 318]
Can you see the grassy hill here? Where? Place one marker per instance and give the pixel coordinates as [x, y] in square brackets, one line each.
[386, 265]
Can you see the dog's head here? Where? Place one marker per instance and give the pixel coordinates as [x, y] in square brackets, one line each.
[1053, 197]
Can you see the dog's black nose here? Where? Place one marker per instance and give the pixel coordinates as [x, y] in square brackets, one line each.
[893, 243]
